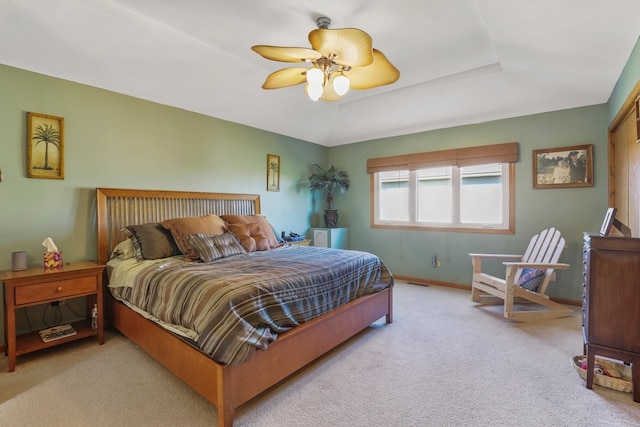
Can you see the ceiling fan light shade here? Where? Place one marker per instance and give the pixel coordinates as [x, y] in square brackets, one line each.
[315, 76]
[314, 91]
[341, 84]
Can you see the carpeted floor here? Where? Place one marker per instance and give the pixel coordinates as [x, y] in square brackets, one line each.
[443, 362]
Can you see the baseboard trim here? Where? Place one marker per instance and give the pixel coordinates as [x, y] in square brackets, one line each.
[427, 282]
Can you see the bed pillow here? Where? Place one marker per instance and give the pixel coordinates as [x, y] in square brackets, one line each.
[123, 250]
[151, 241]
[251, 236]
[180, 228]
[212, 247]
[531, 278]
[267, 228]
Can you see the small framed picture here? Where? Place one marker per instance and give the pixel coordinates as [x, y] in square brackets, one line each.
[609, 218]
[563, 167]
[45, 146]
[273, 172]
[638, 120]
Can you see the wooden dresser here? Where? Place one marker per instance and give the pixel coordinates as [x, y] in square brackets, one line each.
[611, 302]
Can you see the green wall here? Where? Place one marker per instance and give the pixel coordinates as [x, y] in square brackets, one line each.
[571, 210]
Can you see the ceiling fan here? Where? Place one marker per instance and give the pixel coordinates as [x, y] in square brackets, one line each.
[340, 59]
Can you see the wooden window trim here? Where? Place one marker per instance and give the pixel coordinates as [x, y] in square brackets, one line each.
[461, 157]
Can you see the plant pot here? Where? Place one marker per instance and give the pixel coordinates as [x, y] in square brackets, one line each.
[331, 218]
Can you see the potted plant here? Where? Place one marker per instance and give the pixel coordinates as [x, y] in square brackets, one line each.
[329, 180]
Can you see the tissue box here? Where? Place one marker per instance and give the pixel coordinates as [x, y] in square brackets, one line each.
[52, 260]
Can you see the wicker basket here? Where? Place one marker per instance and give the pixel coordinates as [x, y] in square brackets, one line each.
[615, 368]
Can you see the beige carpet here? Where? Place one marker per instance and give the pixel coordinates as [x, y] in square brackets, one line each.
[443, 362]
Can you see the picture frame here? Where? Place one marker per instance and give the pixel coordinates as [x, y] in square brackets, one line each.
[563, 167]
[638, 120]
[609, 218]
[45, 146]
[273, 172]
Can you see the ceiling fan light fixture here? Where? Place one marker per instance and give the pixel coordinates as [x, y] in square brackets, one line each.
[314, 91]
[341, 84]
[333, 53]
[315, 76]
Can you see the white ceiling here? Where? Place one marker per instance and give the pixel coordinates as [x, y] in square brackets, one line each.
[461, 61]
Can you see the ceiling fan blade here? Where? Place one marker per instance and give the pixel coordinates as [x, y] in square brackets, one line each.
[351, 46]
[287, 54]
[379, 73]
[285, 78]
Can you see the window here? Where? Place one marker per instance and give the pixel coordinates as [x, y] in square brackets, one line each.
[416, 191]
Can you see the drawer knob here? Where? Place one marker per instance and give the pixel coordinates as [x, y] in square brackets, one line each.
[59, 289]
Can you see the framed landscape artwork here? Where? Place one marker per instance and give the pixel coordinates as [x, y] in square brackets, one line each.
[45, 146]
[563, 167]
[273, 172]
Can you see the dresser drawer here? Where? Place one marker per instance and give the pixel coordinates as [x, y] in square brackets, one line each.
[59, 289]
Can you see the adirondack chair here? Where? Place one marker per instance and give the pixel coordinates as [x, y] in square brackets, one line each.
[526, 280]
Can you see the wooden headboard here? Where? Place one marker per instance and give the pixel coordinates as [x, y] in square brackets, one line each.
[117, 208]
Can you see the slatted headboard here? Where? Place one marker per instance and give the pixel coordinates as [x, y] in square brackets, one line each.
[117, 208]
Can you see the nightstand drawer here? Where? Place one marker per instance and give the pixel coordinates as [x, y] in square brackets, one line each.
[59, 289]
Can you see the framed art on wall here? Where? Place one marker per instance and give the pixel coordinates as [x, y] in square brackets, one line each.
[273, 172]
[45, 146]
[563, 167]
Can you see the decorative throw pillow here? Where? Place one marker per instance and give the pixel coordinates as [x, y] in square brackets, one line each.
[151, 241]
[212, 247]
[251, 236]
[267, 228]
[180, 228]
[123, 250]
[531, 278]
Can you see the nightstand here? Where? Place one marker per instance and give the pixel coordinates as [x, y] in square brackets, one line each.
[36, 286]
[301, 243]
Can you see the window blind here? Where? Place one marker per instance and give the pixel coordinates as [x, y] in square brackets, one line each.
[461, 157]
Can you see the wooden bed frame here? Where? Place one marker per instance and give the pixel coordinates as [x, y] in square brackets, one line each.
[226, 386]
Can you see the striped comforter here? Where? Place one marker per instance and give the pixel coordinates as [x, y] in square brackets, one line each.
[238, 304]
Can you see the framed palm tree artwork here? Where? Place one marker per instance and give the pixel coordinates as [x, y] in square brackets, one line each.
[273, 172]
[45, 146]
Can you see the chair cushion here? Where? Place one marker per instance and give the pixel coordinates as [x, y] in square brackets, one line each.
[531, 278]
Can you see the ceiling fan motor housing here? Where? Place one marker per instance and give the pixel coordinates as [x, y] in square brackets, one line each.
[323, 22]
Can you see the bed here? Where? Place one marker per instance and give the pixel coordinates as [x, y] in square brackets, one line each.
[226, 385]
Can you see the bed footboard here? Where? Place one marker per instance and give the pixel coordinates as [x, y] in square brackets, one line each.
[229, 386]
